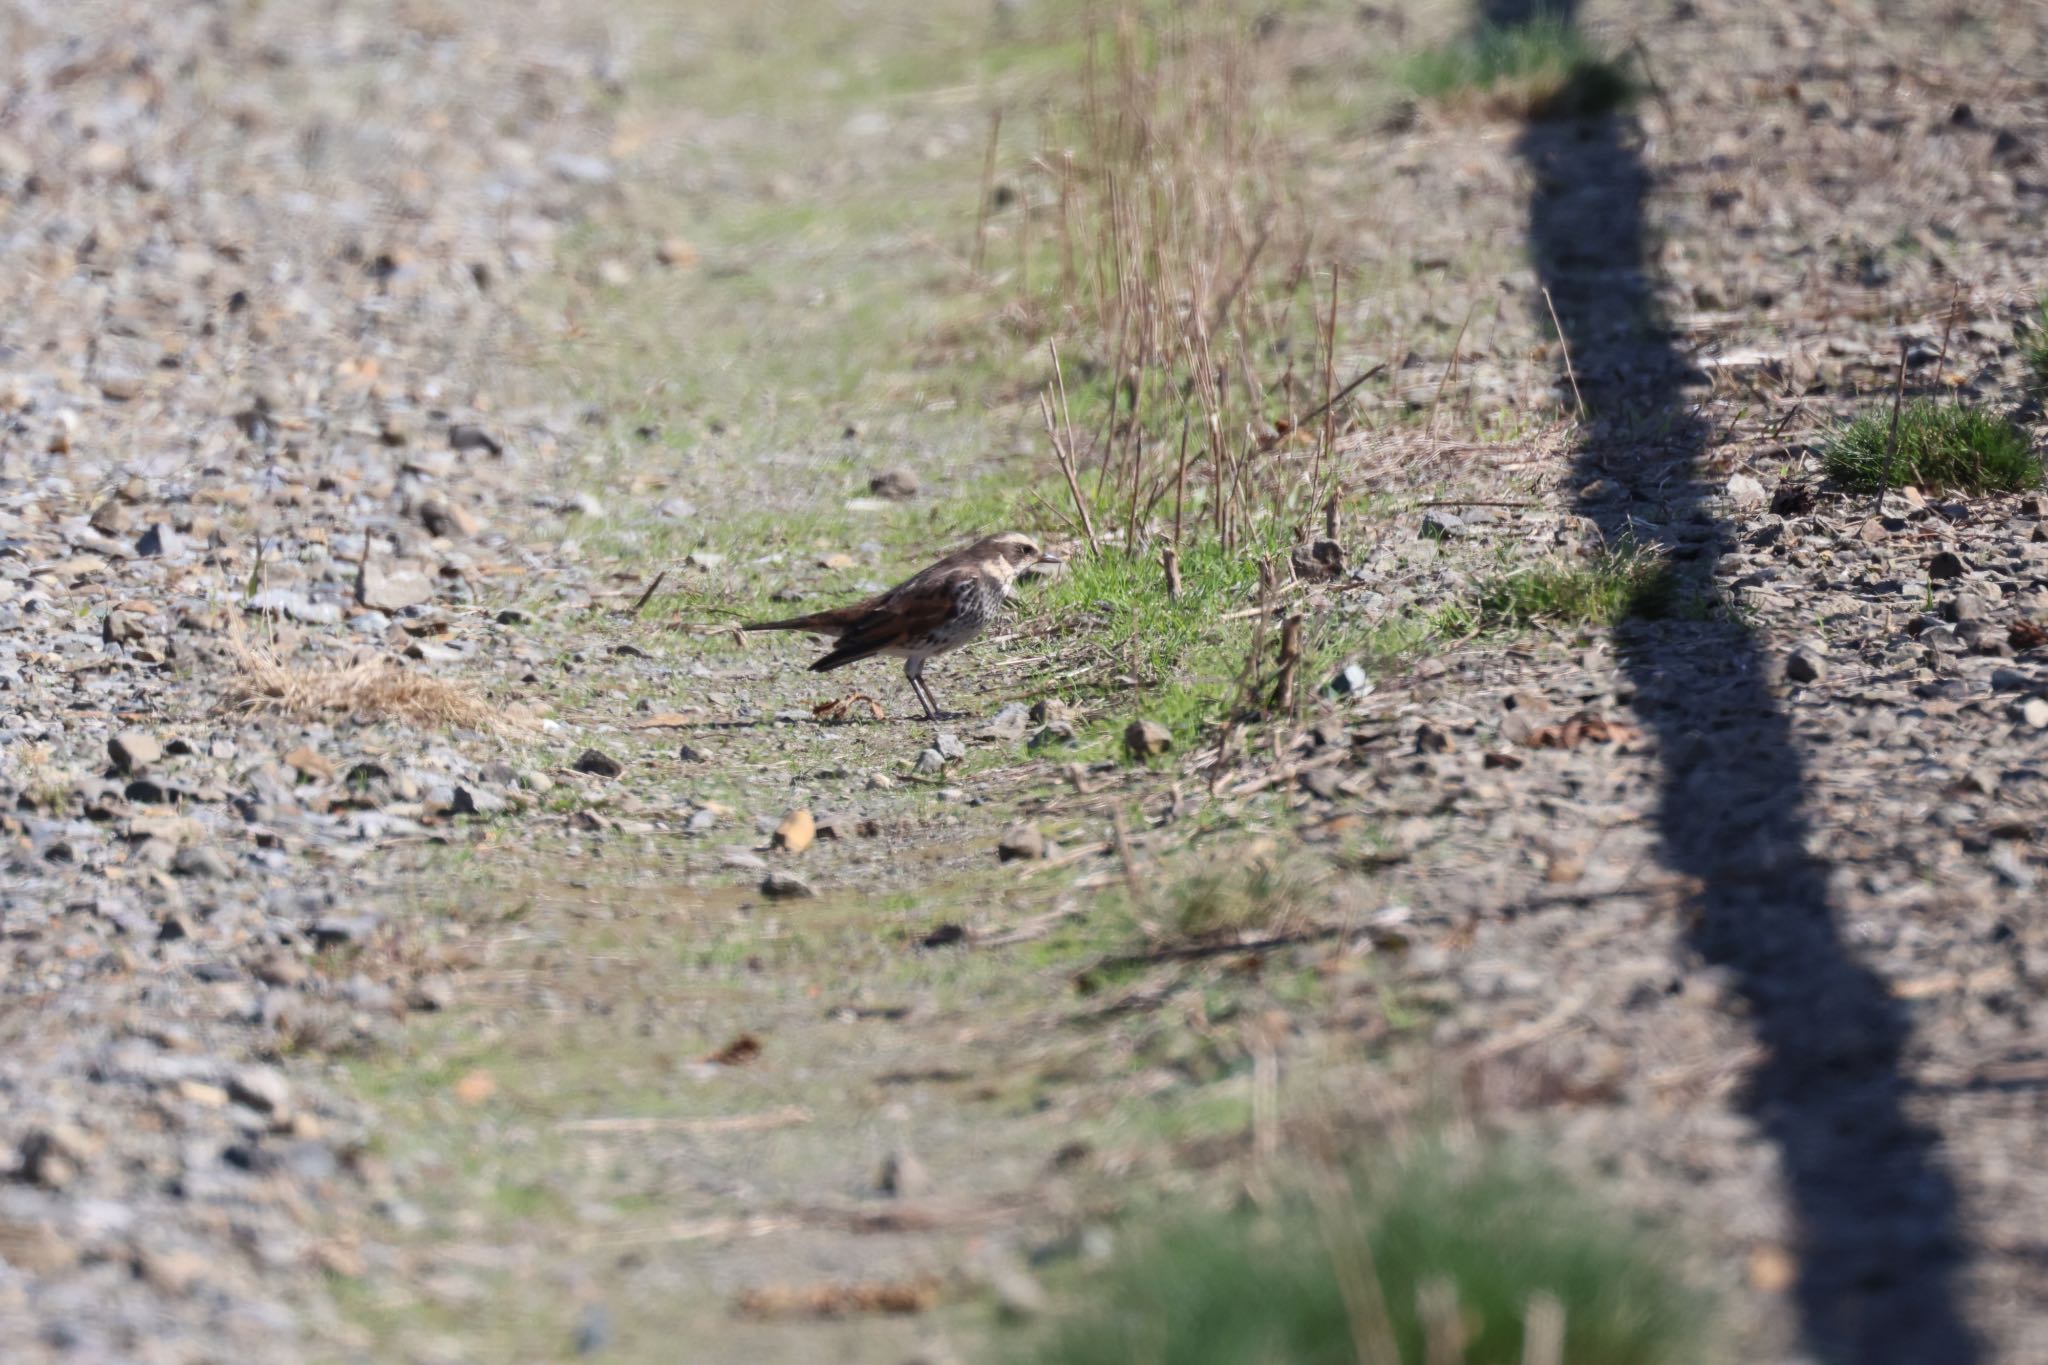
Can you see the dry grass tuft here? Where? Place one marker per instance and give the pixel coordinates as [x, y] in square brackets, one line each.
[1248, 893]
[365, 691]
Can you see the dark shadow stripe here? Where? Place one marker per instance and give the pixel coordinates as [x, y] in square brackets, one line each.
[1875, 1212]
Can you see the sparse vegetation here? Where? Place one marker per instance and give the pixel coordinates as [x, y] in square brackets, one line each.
[1427, 1263]
[1947, 446]
[1233, 895]
[1602, 590]
[1544, 68]
[2033, 342]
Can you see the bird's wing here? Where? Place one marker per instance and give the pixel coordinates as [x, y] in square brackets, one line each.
[898, 618]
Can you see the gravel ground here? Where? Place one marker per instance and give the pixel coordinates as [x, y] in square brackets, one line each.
[255, 257]
[1757, 948]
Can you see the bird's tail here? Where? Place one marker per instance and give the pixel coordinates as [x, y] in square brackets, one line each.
[787, 623]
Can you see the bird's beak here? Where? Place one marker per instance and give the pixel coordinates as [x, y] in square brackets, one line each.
[1047, 559]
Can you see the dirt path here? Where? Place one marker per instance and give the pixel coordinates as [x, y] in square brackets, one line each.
[444, 334]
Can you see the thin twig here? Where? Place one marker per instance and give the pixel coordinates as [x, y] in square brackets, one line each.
[1452, 368]
[1566, 347]
[641, 600]
[988, 190]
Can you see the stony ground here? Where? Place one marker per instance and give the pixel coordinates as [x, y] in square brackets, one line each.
[428, 334]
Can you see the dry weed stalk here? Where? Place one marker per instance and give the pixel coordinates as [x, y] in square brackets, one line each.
[1183, 250]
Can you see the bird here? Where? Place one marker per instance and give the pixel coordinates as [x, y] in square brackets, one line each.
[934, 611]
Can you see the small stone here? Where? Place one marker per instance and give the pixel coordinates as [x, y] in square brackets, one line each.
[929, 761]
[1349, 680]
[1051, 711]
[474, 799]
[1324, 783]
[262, 1089]
[119, 385]
[159, 539]
[1146, 739]
[1441, 525]
[443, 518]
[1808, 664]
[205, 1094]
[1317, 562]
[780, 886]
[1021, 843]
[112, 517]
[894, 483]
[593, 1330]
[121, 628]
[1964, 608]
[1745, 492]
[394, 590]
[796, 832]
[950, 746]
[1430, 739]
[1010, 724]
[2010, 869]
[598, 763]
[53, 1156]
[1946, 564]
[310, 763]
[903, 1176]
[35, 1248]
[431, 994]
[465, 436]
[675, 253]
[1019, 1296]
[133, 750]
[202, 860]
[334, 931]
[2011, 680]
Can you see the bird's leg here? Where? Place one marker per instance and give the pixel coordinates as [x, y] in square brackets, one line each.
[913, 669]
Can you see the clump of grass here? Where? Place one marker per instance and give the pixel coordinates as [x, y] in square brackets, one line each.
[1232, 896]
[365, 691]
[1427, 1264]
[1604, 590]
[1540, 69]
[2033, 343]
[1941, 445]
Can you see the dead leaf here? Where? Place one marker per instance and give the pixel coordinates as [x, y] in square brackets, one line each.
[796, 831]
[832, 1300]
[2027, 635]
[1580, 729]
[476, 1087]
[744, 1048]
[838, 708]
[1772, 1269]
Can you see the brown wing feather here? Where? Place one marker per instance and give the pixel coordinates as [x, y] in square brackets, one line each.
[889, 625]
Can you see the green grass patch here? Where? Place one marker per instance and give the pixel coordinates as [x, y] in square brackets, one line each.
[2033, 342]
[1944, 446]
[1383, 1272]
[1542, 69]
[1604, 590]
[1184, 661]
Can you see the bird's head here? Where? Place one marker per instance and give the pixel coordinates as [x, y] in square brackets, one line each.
[1011, 553]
